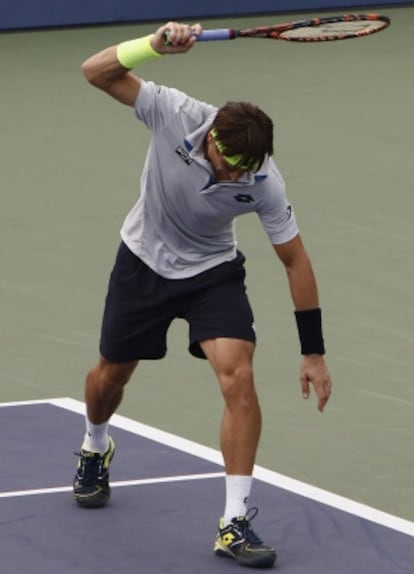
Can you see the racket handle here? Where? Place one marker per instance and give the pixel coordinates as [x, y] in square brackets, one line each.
[210, 35]
[214, 35]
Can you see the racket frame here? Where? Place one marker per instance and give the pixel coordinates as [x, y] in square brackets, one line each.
[276, 31]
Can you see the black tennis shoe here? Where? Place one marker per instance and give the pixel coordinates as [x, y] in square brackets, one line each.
[238, 541]
[91, 483]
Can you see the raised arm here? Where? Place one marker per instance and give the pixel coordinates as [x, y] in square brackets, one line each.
[305, 297]
[109, 70]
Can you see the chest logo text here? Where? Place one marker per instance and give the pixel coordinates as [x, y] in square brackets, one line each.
[184, 155]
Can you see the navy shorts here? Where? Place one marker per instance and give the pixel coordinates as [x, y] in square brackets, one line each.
[140, 306]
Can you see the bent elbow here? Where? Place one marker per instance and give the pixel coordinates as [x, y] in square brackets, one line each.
[89, 72]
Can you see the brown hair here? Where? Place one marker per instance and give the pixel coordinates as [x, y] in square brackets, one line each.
[243, 128]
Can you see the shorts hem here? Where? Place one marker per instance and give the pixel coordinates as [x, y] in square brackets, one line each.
[114, 358]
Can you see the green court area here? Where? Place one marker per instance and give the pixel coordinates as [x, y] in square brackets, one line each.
[70, 166]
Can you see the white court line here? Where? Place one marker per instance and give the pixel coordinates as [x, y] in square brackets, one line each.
[268, 476]
[23, 403]
[142, 481]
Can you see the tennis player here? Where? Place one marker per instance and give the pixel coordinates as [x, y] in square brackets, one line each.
[179, 258]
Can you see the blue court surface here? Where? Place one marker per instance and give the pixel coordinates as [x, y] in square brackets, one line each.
[167, 496]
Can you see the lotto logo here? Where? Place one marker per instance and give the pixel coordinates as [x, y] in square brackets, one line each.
[243, 198]
[228, 538]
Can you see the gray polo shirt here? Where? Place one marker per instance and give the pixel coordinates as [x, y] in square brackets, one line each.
[183, 222]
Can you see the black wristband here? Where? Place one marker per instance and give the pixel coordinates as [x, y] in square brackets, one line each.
[309, 324]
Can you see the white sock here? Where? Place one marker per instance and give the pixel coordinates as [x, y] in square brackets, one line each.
[237, 495]
[96, 437]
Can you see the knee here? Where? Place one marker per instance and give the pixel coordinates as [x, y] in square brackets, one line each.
[110, 375]
[237, 387]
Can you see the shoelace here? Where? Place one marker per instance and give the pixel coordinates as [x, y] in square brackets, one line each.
[91, 466]
[245, 528]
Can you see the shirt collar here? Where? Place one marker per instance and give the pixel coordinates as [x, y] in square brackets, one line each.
[194, 140]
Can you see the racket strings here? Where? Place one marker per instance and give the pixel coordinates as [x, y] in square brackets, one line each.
[337, 28]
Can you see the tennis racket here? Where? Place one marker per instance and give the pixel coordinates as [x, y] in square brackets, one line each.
[314, 30]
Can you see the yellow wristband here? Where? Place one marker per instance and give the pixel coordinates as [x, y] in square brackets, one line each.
[135, 52]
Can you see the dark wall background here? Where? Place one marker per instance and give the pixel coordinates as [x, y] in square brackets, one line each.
[17, 14]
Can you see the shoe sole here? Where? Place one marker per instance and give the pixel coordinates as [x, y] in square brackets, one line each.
[259, 562]
[97, 499]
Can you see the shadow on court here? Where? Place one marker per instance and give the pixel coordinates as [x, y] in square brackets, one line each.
[158, 527]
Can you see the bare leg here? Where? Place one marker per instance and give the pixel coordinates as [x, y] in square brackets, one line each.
[104, 389]
[232, 361]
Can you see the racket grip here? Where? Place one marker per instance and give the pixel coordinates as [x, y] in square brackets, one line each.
[210, 35]
[214, 35]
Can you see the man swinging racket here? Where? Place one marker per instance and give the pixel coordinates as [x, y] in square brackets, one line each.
[178, 259]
